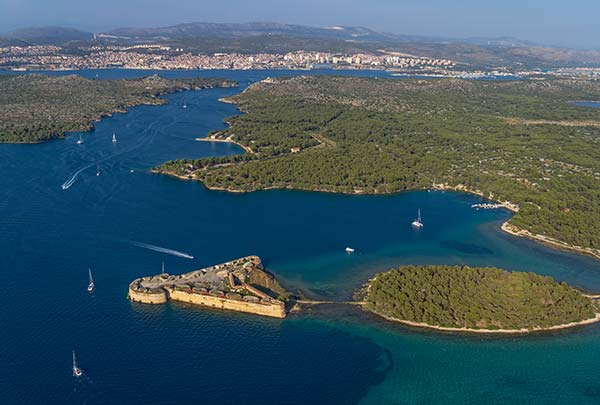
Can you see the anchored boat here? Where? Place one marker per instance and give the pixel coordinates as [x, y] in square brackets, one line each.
[417, 223]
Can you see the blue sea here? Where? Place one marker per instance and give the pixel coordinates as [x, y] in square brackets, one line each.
[176, 353]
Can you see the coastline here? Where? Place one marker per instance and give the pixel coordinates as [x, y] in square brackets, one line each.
[227, 140]
[490, 331]
[505, 227]
[156, 98]
[548, 241]
[88, 126]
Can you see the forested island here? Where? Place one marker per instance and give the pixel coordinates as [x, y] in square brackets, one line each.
[37, 108]
[525, 142]
[461, 298]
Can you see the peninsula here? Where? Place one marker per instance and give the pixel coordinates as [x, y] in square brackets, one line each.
[238, 285]
[524, 143]
[37, 108]
[475, 299]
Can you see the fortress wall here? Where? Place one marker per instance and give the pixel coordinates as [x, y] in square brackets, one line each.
[146, 298]
[274, 310]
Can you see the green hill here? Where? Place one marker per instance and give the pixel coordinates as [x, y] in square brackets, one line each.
[475, 298]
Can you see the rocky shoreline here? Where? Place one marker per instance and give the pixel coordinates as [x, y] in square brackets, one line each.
[491, 331]
[550, 242]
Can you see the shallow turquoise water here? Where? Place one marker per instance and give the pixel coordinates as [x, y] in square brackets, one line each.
[173, 353]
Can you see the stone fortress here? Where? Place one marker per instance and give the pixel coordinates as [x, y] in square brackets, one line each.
[238, 285]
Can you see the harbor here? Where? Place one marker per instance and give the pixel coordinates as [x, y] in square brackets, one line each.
[487, 206]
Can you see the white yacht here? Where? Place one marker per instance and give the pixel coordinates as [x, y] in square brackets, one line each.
[349, 250]
[417, 223]
[91, 284]
[114, 139]
[76, 370]
[80, 140]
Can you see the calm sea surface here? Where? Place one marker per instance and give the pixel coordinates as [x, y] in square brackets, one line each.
[133, 353]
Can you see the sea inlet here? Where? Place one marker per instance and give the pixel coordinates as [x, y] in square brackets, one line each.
[177, 352]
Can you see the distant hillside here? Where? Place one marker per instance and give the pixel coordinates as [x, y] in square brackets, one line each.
[493, 56]
[222, 30]
[200, 37]
[270, 44]
[506, 42]
[4, 41]
[49, 35]
[275, 37]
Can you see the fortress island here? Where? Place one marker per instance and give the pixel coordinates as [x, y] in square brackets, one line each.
[238, 285]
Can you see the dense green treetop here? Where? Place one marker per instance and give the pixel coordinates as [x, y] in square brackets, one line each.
[476, 298]
[38, 107]
[522, 141]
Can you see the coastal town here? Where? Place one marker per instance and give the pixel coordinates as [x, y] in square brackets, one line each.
[160, 57]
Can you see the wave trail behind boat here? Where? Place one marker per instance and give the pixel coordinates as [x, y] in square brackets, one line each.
[162, 250]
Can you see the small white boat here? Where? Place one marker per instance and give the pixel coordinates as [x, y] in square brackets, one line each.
[184, 105]
[114, 138]
[76, 370]
[97, 170]
[349, 250]
[80, 140]
[91, 286]
[417, 223]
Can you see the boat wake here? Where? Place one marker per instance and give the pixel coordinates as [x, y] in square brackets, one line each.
[73, 178]
[162, 250]
[150, 131]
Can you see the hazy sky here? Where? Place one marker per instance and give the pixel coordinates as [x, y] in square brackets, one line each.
[563, 22]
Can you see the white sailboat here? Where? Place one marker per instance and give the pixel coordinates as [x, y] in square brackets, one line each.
[91, 284]
[417, 223]
[80, 140]
[76, 370]
[114, 138]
